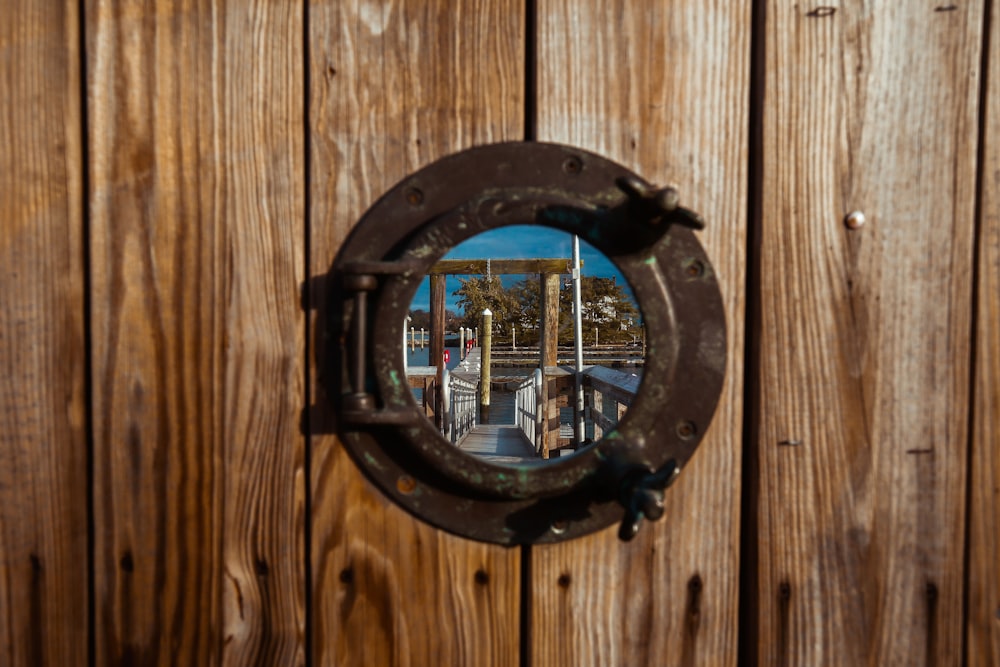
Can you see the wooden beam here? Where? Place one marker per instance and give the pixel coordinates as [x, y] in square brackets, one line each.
[475, 267]
[549, 336]
[548, 345]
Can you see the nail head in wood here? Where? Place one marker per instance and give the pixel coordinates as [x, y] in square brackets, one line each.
[855, 220]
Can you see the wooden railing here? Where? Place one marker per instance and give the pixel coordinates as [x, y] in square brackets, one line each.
[529, 410]
[607, 395]
[505, 356]
[461, 405]
[424, 380]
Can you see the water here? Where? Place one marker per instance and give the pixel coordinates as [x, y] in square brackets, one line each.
[422, 357]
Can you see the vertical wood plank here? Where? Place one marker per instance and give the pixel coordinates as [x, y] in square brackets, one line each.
[393, 87]
[43, 447]
[864, 340]
[984, 472]
[661, 87]
[196, 131]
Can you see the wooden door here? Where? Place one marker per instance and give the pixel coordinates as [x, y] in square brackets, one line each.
[176, 176]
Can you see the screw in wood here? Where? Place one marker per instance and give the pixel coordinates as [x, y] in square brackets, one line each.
[414, 196]
[406, 484]
[572, 165]
[686, 430]
[694, 268]
[854, 220]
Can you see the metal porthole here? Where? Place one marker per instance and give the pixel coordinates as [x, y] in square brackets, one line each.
[640, 228]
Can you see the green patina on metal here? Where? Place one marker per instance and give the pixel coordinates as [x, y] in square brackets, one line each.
[373, 462]
[564, 216]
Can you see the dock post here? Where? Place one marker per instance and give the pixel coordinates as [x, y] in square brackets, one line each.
[413, 338]
[461, 342]
[548, 343]
[406, 360]
[484, 372]
[435, 343]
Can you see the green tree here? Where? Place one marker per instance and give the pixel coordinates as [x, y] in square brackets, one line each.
[479, 293]
[606, 305]
[421, 319]
[528, 294]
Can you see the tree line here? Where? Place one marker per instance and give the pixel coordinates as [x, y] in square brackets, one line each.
[605, 306]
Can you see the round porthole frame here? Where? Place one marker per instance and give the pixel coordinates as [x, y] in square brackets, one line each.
[371, 284]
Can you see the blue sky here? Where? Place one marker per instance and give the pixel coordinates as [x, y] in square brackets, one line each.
[518, 242]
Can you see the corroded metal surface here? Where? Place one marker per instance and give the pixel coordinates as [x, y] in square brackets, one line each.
[642, 229]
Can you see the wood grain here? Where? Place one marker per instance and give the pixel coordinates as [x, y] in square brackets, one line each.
[983, 577]
[661, 87]
[864, 334]
[43, 446]
[196, 134]
[498, 267]
[393, 87]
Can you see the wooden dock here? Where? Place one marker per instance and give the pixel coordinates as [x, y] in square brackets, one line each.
[468, 369]
[498, 443]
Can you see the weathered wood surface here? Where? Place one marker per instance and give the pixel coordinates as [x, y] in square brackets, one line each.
[44, 563]
[197, 174]
[393, 87]
[498, 444]
[198, 234]
[663, 88]
[983, 576]
[501, 266]
[864, 334]
[549, 324]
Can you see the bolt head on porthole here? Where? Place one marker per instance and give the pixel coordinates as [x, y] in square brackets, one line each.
[524, 343]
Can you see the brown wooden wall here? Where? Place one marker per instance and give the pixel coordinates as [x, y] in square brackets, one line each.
[174, 174]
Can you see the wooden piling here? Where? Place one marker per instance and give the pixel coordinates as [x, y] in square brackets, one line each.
[436, 353]
[484, 372]
[549, 340]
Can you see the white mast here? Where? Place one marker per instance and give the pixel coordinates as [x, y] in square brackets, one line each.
[578, 408]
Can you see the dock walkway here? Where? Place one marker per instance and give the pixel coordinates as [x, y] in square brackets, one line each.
[468, 368]
[498, 443]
